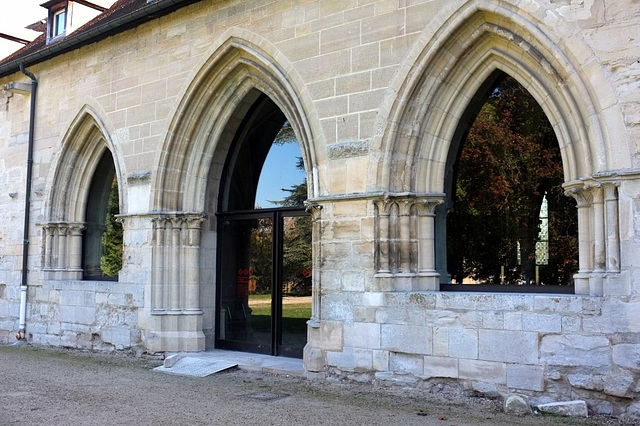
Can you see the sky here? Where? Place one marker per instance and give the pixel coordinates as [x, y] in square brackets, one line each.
[17, 14]
[279, 171]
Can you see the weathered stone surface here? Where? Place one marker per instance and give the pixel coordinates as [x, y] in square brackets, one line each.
[586, 381]
[435, 366]
[575, 350]
[525, 377]
[569, 408]
[618, 385]
[487, 371]
[508, 346]
[627, 356]
[632, 413]
[516, 405]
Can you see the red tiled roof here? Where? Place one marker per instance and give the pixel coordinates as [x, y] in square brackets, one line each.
[121, 16]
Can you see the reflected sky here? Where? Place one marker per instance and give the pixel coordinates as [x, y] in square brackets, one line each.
[279, 171]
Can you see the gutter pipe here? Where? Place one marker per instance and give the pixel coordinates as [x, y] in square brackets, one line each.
[27, 207]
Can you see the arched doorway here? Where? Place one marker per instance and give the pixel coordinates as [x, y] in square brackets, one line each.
[264, 239]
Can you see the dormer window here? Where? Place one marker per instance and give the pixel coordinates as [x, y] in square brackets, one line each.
[66, 16]
[57, 19]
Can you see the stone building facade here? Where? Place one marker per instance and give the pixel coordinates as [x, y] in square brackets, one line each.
[376, 92]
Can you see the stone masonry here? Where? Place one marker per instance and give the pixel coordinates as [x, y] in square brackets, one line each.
[375, 90]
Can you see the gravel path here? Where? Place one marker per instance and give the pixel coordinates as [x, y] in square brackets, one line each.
[56, 387]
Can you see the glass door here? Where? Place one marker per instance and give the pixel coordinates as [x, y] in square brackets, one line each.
[261, 249]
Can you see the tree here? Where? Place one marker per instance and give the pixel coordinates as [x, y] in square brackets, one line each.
[111, 260]
[509, 161]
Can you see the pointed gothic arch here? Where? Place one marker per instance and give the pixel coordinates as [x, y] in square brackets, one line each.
[242, 66]
[443, 80]
[86, 147]
[184, 190]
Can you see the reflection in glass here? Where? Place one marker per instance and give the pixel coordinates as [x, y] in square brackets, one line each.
[247, 281]
[296, 283]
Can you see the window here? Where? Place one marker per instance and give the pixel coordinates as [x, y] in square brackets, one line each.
[59, 23]
[59, 11]
[511, 223]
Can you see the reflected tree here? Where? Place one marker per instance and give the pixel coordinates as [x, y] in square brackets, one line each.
[508, 163]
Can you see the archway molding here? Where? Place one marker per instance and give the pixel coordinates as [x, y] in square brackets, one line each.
[83, 145]
[207, 117]
[445, 75]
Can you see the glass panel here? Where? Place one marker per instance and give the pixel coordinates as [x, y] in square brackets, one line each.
[282, 172]
[296, 284]
[59, 23]
[246, 277]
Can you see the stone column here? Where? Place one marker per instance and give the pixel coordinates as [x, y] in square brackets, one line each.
[62, 247]
[383, 208]
[174, 283]
[75, 247]
[157, 272]
[192, 266]
[428, 277]
[612, 227]
[48, 244]
[583, 200]
[598, 228]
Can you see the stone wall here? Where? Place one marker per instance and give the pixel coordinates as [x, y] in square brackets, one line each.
[375, 91]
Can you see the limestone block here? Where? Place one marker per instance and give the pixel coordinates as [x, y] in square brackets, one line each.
[381, 360]
[406, 338]
[339, 307]
[569, 408]
[77, 315]
[586, 381]
[526, 377]
[118, 337]
[571, 324]
[562, 304]
[486, 371]
[516, 405]
[353, 281]
[463, 343]
[488, 390]
[618, 384]
[365, 314]
[365, 57]
[627, 355]
[406, 363]
[328, 336]
[351, 359]
[362, 335]
[436, 366]
[314, 359]
[77, 298]
[575, 350]
[508, 346]
[512, 321]
[493, 320]
[544, 323]
[441, 341]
